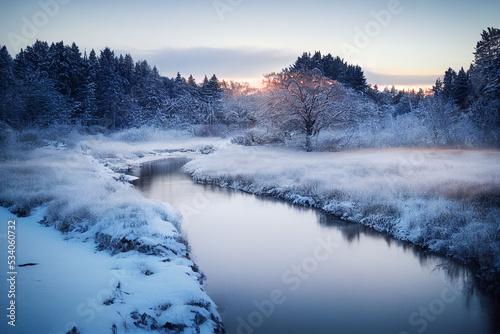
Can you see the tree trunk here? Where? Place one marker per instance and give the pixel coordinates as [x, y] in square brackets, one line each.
[309, 134]
[308, 143]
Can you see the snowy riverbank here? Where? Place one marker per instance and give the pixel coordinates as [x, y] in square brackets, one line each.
[149, 283]
[441, 199]
[122, 261]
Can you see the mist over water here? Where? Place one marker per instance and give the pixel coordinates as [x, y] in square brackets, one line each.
[276, 268]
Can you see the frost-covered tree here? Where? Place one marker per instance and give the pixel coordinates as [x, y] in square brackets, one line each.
[6, 74]
[109, 90]
[192, 81]
[437, 89]
[448, 80]
[303, 63]
[333, 68]
[9, 103]
[240, 103]
[461, 89]
[211, 94]
[487, 62]
[303, 101]
[355, 78]
[126, 69]
[65, 68]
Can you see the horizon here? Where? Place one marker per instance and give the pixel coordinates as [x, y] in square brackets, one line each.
[402, 43]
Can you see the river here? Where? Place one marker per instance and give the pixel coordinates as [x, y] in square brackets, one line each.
[272, 267]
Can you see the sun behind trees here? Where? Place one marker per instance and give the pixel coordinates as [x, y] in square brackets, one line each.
[303, 100]
[320, 102]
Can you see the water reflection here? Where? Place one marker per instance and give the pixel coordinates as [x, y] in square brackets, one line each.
[250, 247]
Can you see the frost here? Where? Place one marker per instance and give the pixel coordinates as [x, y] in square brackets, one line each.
[441, 199]
[79, 190]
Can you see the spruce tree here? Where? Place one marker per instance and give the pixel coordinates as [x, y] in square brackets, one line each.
[438, 87]
[302, 63]
[461, 89]
[487, 62]
[109, 90]
[448, 80]
[6, 74]
[7, 87]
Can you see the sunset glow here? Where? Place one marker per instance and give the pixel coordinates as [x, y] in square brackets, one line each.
[245, 40]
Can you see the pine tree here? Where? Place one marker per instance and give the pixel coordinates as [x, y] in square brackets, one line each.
[6, 69]
[109, 90]
[60, 67]
[438, 87]
[193, 87]
[487, 62]
[191, 82]
[211, 94]
[149, 91]
[316, 62]
[40, 103]
[33, 59]
[75, 71]
[302, 63]
[449, 77]
[214, 88]
[333, 68]
[205, 89]
[89, 113]
[461, 89]
[180, 85]
[126, 69]
[7, 87]
[355, 78]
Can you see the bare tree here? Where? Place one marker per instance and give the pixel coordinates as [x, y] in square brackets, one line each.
[303, 101]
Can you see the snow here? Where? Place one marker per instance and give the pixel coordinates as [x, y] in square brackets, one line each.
[107, 233]
[59, 293]
[134, 146]
[148, 281]
[441, 199]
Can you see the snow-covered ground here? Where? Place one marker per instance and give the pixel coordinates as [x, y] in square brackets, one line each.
[445, 200]
[149, 282]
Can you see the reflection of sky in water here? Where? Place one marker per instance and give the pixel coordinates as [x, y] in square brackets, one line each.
[248, 246]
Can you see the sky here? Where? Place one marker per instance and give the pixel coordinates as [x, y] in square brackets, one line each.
[407, 43]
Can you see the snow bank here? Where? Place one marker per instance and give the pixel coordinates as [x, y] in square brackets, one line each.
[130, 147]
[442, 199]
[156, 286]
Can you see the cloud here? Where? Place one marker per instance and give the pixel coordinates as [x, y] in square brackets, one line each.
[400, 80]
[245, 64]
[224, 62]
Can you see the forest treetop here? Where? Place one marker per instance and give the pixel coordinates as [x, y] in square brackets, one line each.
[57, 84]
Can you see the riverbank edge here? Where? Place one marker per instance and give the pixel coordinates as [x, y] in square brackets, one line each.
[114, 245]
[484, 279]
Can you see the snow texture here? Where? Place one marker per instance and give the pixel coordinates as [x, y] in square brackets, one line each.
[444, 200]
[147, 284]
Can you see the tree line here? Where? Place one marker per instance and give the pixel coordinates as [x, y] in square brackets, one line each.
[463, 108]
[57, 84]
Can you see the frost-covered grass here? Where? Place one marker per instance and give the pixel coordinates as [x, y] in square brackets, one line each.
[68, 181]
[444, 200]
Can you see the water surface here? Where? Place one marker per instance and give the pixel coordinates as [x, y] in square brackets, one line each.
[276, 268]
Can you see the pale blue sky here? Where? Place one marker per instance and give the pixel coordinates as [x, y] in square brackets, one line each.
[248, 38]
